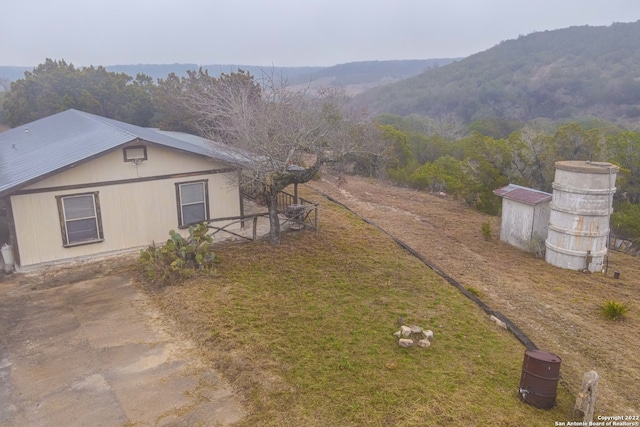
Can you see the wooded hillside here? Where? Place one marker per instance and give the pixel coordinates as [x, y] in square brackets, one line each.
[372, 71]
[567, 73]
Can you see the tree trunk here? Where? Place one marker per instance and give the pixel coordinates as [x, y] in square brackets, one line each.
[274, 220]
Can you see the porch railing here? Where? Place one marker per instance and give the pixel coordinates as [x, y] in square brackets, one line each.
[298, 215]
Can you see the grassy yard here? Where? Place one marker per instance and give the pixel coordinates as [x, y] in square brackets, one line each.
[303, 331]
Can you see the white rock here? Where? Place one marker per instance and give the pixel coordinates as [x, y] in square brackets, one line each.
[424, 343]
[428, 334]
[415, 329]
[403, 342]
[397, 334]
[498, 321]
[406, 331]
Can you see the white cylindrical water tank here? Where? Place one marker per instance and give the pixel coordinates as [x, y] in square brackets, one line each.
[579, 219]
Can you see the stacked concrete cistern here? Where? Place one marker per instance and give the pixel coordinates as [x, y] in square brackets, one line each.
[580, 210]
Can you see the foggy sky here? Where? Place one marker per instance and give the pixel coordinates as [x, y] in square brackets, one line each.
[279, 32]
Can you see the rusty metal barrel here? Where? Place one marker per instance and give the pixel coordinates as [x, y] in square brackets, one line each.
[539, 380]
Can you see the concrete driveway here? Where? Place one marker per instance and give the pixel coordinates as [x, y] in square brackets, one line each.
[97, 353]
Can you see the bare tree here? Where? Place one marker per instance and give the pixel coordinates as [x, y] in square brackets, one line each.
[450, 127]
[277, 127]
[533, 158]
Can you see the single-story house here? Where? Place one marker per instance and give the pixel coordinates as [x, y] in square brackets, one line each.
[76, 185]
[525, 216]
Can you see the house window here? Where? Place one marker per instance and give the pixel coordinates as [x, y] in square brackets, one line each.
[135, 153]
[193, 202]
[80, 220]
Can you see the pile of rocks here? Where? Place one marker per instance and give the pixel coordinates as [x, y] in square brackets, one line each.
[409, 336]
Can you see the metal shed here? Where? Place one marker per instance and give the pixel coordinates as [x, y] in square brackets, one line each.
[525, 216]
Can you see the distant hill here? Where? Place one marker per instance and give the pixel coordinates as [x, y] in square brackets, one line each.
[12, 73]
[572, 72]
[357, 76]
[372, 71]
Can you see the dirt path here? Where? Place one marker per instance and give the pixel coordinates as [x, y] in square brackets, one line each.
[558, 309]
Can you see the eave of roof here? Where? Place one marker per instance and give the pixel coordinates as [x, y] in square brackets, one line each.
[521, 194]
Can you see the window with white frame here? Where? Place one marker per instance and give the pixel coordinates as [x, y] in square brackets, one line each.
[80, 220]
[193, 202]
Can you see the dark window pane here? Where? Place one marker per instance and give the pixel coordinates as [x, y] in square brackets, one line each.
[79, 207]
[192, 193]
[82, 230]
[193, 213]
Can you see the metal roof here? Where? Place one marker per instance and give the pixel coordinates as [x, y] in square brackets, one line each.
[46, 146]
[522, 194]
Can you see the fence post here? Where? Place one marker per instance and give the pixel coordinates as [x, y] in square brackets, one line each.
[586, 398]
[315, 219]
[240, 186]
[255, 227]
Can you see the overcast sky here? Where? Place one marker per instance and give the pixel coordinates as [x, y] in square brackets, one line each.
[279, 32]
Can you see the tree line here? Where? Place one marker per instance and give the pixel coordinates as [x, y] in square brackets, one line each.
[55, 86]
[470, 167]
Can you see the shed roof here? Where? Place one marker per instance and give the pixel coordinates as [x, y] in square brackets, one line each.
[526, 195]
[50, 145]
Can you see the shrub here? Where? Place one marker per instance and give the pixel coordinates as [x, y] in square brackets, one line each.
[624, 221]
[179, 258]
[486, 231]
[612, 310]
[537, 246]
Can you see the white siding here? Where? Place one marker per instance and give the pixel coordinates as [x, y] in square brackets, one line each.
[112, 167]
[521, 222]
[133, 214]
[541, 220]
[517, 222]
